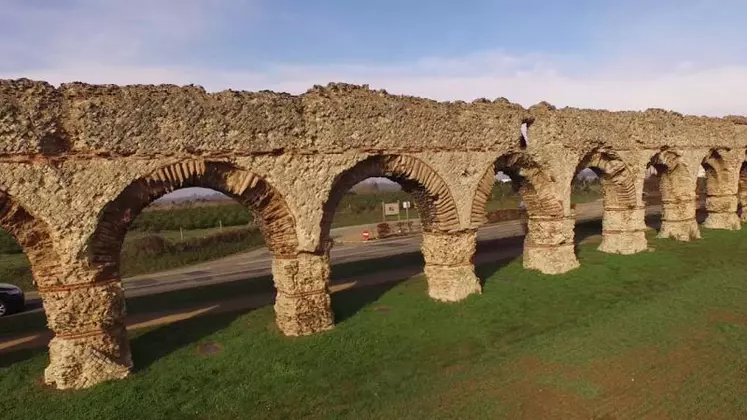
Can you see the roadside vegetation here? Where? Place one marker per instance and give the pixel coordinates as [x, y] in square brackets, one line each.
[172, 236]
[658, 334]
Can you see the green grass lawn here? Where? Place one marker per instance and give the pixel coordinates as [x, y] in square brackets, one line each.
[655, 335]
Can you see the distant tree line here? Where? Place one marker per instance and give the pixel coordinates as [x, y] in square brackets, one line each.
[189, 218]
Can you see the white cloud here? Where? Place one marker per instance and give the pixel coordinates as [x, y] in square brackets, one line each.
[76, 33]
[94, 43]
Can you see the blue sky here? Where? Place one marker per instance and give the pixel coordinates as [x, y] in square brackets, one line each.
[686, 55]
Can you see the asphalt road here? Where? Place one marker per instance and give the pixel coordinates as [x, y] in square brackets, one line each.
[257, 263]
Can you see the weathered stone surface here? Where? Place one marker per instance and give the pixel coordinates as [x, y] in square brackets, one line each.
[722, 213]
[302, 305]
[678, 220]
[549, 245]
[624, 243]
[623, 230]
[726, 221]
[79, 162]
[91, 344]
[88, 359]
[449, 266]
[554, 259]
[84, 308]
[452, 283]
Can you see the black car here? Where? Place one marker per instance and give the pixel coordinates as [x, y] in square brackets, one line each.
[12, 299]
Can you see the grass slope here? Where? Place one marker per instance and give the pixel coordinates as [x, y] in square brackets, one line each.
[653, 335]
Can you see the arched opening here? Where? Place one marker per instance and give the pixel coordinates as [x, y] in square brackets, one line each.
[26, 253]
[188, 226]
[431, 196]
[301, 302]
[602, 174]
[517, 178]
[268, 209]
[670, 184]
[717, 191]
[433, 206]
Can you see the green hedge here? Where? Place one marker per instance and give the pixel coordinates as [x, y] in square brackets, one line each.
[200, 217]
[8, 244]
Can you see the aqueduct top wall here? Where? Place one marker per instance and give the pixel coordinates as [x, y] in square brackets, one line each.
[159, 120]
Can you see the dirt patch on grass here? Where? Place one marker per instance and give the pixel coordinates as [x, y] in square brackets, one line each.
[209, 349]
[658, 382]
[728, 318]
[544, 390]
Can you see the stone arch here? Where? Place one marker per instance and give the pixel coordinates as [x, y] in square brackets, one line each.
[548, 245]
[528, 178]
[618, 181]
[678, 199]
[435, 203]
[33, 235]
[623, 220]
[673, 174]
[716, 168]
[447, 250]
[714, 163]
[722, 168]
[269, 208]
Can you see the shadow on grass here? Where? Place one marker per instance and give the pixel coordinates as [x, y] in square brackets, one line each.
[654, 220]
[18, 356]
[347, 303]
[369, 274]
[157, 343]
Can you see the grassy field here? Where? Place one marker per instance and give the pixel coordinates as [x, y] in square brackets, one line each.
[655, 335]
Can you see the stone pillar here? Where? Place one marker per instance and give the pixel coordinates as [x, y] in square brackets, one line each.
[449, 266]
[623, 230]
[90, 344]
[678, 219]
[549, 246]
[743, 194]
[302, 305]
[722, 212]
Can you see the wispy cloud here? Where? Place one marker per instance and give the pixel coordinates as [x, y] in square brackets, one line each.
[659, 62]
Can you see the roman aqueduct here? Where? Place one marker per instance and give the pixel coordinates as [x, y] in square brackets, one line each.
[79, 162]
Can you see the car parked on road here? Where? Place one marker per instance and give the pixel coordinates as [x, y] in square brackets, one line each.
[12, 299]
